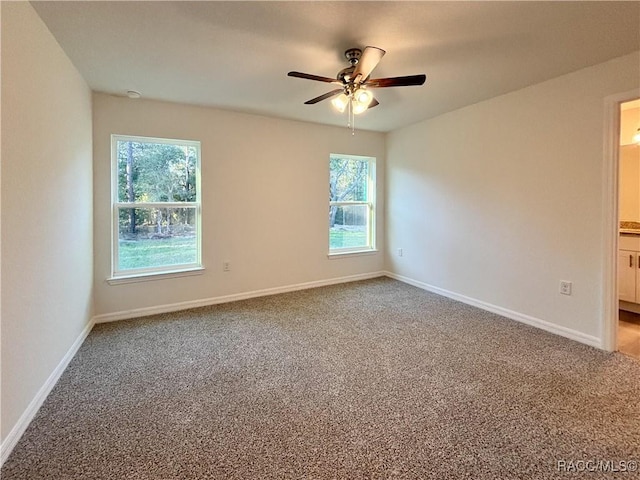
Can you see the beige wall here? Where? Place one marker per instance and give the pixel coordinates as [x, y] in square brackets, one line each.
[629, 183]
[629, 166]
[501, 200]
[46, 208]
[629, 124]
[264, 200]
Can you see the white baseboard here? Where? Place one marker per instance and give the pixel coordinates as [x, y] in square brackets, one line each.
[25, 419]
[519, 317]
[174, 307]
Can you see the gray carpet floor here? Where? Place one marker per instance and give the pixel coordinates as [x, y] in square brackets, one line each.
[373, 379]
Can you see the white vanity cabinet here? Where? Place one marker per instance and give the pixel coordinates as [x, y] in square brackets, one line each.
[629, 268]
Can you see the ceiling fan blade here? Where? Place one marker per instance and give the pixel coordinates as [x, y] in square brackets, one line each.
[324, 97]
[317, 78]
[396, 81]
[374, 103]
[368, 61]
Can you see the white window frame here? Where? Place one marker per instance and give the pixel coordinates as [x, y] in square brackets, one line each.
[168, 271]
[370, 203]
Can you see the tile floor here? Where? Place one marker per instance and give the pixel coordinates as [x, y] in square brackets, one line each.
[629, 334]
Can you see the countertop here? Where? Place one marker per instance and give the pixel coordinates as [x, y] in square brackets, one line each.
[630, 228]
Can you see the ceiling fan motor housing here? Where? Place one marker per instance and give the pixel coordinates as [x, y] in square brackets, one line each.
[345, 74]
[353, 57]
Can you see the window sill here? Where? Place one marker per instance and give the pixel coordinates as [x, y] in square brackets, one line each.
[351, 253]
[147, 277]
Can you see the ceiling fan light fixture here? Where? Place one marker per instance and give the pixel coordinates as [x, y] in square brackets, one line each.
[363, 96]
[359, 107]
[340, 102]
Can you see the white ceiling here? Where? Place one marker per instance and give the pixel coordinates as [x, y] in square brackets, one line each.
[235, 55]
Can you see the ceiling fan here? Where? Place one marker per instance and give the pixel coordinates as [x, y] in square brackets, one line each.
[355, 81]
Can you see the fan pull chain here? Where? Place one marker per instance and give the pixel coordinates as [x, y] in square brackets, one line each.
[351, 122]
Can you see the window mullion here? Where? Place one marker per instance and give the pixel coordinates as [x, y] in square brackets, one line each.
[156, 204]
[351, 202]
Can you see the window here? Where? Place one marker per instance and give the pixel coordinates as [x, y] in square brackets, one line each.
[351, 204]
[156, 205]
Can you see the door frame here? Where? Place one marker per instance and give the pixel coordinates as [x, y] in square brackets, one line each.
[610, 196]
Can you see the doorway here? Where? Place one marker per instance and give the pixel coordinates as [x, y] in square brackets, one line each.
[627, 141]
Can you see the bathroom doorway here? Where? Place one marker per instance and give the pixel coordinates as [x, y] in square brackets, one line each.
[628, 277]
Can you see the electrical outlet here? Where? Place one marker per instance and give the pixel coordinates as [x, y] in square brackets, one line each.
[565, 287]
[226, 266]
[400, 252]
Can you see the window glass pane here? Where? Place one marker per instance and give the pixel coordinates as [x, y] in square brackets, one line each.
[348, 226]
[348, 179]
[156, 237]
[156, 172]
